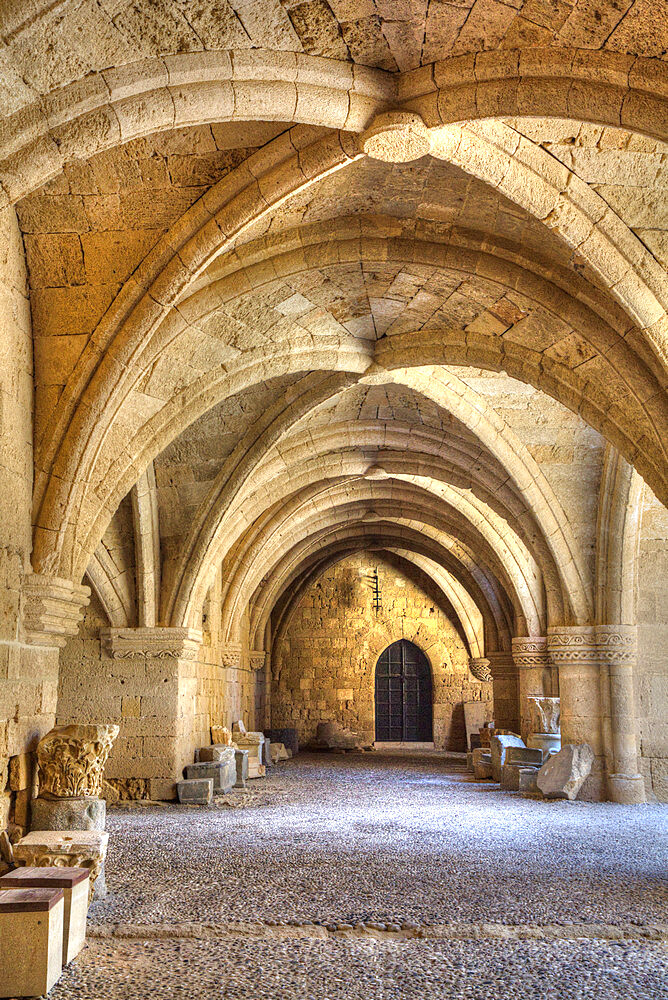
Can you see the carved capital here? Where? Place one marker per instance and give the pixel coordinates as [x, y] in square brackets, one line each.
[230, 654]
[617, 644]
[572, 644]
[479, 667]
[257, 659]
[530, 651]
[52, 610]
[151, 643]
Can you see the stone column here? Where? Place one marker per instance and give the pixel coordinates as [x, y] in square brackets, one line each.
[506, 691]
[534, 674]
[617, 646]
[166, 658]
[573, 649]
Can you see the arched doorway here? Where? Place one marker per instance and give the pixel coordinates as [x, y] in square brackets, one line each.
[403, 695]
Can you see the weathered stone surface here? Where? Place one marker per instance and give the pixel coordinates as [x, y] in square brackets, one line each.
[222, 772]
[195, 791]
[524, 755]
[563, 775]
[547, 714]
[68, 814]
[527, 781]
[222, 735]
[278, 752]
[70, 849]
[71, 759]
[499, 746]
[241, 762]
[334, 736]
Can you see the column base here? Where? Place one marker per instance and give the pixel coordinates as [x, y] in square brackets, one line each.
[627, 789]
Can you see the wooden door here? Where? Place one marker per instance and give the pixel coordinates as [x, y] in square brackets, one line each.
[403, 695]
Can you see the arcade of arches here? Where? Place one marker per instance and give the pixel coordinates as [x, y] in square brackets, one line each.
[295, 291]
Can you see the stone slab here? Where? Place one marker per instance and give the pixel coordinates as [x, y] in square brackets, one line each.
[475, 716]
[564, 774]
[195, 791]
[223, 773]
[499, 745]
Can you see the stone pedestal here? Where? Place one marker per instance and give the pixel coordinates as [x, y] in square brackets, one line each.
[68, 813]
[74, 884]
[31, 941]
[254, 744]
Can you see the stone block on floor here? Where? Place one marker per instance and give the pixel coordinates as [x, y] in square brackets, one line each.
[525, 755]
[74, 883]
[499, 746]
[195, 791]
[564, 774]
[482, 765]
[223, 772]
[31, 941]
[241, 762]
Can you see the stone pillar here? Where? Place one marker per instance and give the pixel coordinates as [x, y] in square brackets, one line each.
[534, 675]
[166, 657]
[573, 650]
[617, 646]
[505, 690]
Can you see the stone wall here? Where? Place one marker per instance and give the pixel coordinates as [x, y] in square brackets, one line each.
[324, 666]
[28, 674]
[164, 706]
[651, 687]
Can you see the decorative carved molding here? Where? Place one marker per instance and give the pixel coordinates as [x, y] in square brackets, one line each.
[53, 609]
[479, 667]
[151, 643]
[230, 654]
[71, 760]
[257, 659]
[530, 651]
[593, 644]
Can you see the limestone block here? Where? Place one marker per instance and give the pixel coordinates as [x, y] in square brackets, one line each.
[67, 849]
[195, 791]
[482, 764]
[241, 760]
[278, 752]
[20, 772]
[499, 746]
[563, 775]
[71, 759]
[525, 756]
[31, 941]
[510, 777]
[222, 772]
[74, 884]
[527, 781]
[87, 813]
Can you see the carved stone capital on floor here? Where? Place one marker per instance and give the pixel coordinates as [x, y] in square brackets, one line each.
[53, 609]
[530, 651]
[479, 667]
[151, 643]
[257, 659]
[230, 654]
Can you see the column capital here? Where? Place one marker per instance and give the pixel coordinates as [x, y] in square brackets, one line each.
[230, 654]
[530, 651]
[572, 644]
[151, 643]
[53, 609]
[479, 667]
[257, 659]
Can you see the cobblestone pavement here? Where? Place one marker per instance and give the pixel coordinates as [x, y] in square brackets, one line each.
[376, 842]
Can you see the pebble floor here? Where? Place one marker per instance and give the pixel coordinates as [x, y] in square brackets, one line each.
[329, 843]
